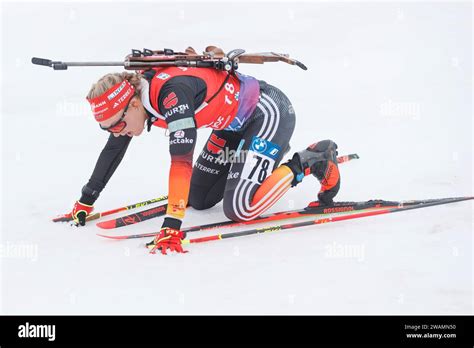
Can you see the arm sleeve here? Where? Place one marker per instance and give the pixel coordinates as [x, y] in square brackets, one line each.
[109, 159]
[176, 103]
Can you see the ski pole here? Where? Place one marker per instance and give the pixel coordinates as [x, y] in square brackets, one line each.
[95, 216]
[320, 221]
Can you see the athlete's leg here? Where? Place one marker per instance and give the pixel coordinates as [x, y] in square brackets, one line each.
[251, 191]
[210, 170]
[256, 185]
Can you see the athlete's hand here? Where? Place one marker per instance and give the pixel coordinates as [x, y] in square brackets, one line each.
[167, 239]
[170, 237]
[79, 213]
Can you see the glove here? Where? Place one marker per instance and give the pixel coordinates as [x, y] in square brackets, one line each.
[170, 237]
[79, 213]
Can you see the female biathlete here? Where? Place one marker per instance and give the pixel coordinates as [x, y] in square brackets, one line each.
[252, 124]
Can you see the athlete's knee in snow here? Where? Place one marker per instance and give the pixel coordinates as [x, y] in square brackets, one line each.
[199, 204]
[230, 212]
[200, 199]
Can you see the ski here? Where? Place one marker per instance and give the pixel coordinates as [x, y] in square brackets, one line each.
[134, 218]
[382, 211]
[161, 210]
[312, 209]
[346, 158]
[95, 216]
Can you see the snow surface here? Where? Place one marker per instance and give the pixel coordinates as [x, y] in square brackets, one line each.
[390, 81]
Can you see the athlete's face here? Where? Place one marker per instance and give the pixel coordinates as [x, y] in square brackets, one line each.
[134, 118]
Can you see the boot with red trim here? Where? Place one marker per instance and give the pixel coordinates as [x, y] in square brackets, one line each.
[319, 159]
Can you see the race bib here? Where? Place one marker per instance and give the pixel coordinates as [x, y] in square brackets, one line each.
[260, 160]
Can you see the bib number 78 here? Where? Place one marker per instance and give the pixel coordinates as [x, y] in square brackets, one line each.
[257, 169]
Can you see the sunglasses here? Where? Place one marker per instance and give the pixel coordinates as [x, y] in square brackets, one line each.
[118, 126]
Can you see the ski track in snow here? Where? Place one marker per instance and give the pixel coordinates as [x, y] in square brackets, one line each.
[399, 100]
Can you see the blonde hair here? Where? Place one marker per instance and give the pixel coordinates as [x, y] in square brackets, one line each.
[109, 80]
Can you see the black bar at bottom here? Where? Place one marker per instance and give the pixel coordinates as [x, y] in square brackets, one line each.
[449, 331]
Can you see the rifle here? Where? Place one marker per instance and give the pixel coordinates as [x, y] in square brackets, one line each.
[212, 57]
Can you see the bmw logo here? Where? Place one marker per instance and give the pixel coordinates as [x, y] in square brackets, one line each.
[259, 145]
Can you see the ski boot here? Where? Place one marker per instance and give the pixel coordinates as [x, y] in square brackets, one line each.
[319, 159]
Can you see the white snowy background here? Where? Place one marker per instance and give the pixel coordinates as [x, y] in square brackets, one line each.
[390, 81]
